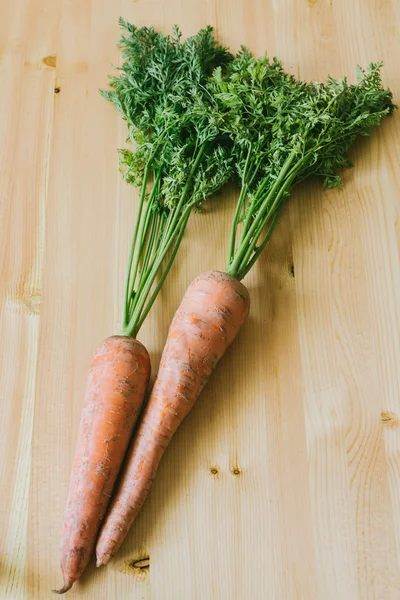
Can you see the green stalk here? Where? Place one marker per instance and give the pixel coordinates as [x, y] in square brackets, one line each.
[155, 249]
[152, 236]
[133, 245]
[246, 222]
[238, 212]
[154, 194]
[171, 216]
[160, 232]
[168, 266]
[175, 228]
[187, 185]
[133, 325]
[235, 223]
[267, 209]
[248, 241]
[146, 274]
[261, 247]
[267, 216]
[142, 235]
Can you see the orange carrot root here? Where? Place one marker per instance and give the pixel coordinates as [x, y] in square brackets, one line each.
[211, 314]
[117, 382]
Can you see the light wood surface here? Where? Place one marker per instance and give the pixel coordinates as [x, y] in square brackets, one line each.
[284, 481]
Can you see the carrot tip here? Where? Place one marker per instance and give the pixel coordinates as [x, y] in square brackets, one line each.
[63, 589]
[102, 560]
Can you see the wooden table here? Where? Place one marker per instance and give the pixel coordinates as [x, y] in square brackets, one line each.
[283, 483]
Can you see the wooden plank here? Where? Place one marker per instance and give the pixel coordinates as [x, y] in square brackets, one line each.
[283, 481]
[26, 118]
[339, 235]
[78, 270]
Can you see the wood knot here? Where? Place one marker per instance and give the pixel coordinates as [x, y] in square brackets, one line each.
[32, 304]
[236, 471]
[25, 299]
[214, 470]
[140, 563]
[50, 61]
[57, 90]
[389, 418]
[138, 567]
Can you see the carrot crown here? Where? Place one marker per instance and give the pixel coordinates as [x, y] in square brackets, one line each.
[177, 155]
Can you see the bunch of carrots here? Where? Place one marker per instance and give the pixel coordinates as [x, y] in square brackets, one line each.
[196, 117]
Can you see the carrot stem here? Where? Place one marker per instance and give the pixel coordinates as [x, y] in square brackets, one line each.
[133, 245]
[261, 247]
[142, 235]
[186, 188]
[238, 267]
[154, 219]
[235, 223]
[165, 273]
[172, 236]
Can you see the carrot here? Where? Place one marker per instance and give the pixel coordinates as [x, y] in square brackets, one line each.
[117, 382]
[212, 312]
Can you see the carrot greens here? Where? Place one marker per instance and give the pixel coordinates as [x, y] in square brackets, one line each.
[178, 157]
[283, 130]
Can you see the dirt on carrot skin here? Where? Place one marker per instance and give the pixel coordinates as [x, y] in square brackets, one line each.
[211, 314]
[116, 386]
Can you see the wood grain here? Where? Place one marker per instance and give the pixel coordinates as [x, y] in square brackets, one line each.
[283, 482]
